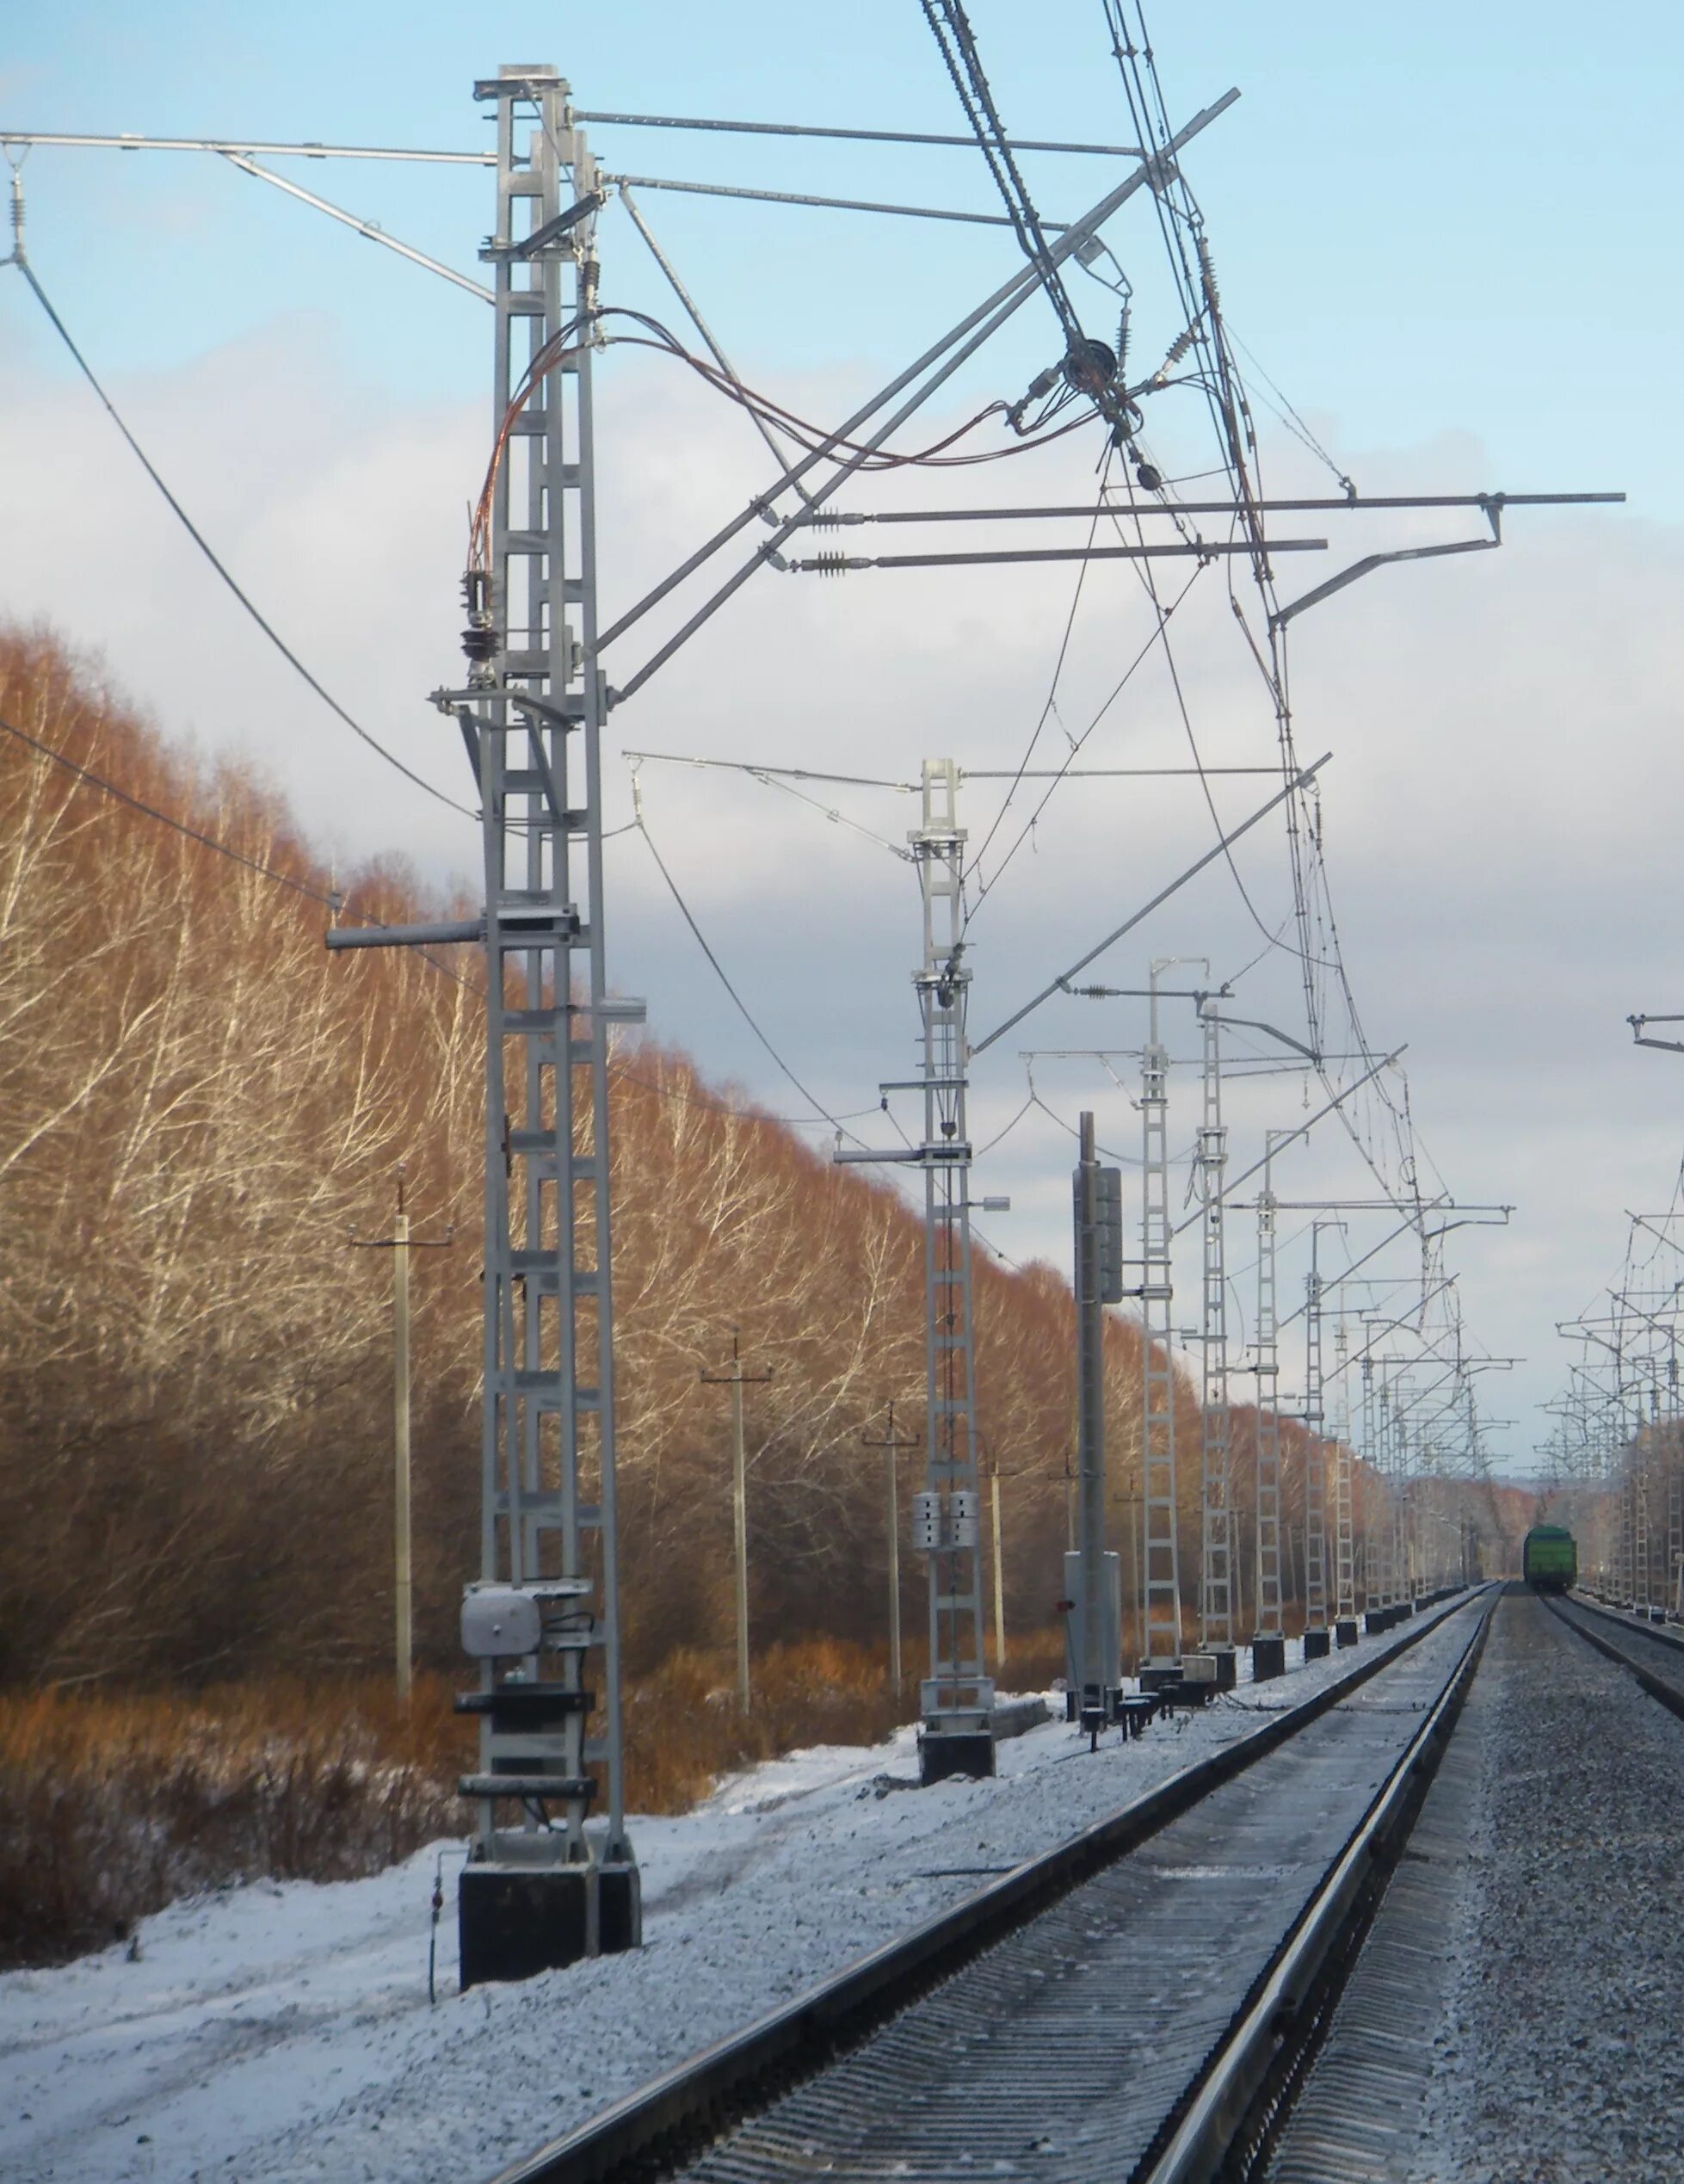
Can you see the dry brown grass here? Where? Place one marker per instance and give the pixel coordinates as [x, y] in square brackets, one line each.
[113, 1804]
[683, 1728]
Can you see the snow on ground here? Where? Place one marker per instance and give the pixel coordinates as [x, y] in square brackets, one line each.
[283, 2031]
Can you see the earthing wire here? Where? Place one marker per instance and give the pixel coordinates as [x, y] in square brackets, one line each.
[1082, 568]
[333, 903]
[703, 329]
[210, 554]
[743, 1009]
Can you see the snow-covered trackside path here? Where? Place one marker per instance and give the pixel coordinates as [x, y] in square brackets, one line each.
[283, 2032]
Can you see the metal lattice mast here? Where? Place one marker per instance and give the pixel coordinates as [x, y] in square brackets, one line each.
[1375, 1429]
[1344, 1524]
[1316, 1453]
[1216, 1613]
[1344, 1533]
[1164, 1597]
[532, 717]
[1674, 1587]
[957, 1696]
[1642, 1551]
[1269, 1417]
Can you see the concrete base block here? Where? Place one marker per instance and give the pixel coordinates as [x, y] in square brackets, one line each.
[513, 1922]
[1346, 1630]
[1227, 1667]
[1013, 1716]
[1156, 1674]
[943, 1752]
[1268, 1658]
[1318, 1645]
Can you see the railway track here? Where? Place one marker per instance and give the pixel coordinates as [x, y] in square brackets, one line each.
[1136, 2003]
[1654, 1654]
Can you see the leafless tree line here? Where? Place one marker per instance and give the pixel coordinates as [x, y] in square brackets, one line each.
[198, 1105]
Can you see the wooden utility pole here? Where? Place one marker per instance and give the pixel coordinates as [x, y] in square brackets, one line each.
[739, 1495]
[999, 1578]
[889, 1444]
[400, 1243]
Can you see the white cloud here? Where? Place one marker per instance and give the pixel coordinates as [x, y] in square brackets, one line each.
[1501, 815]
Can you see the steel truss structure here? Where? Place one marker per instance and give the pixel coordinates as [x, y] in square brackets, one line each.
[957, 1697]
[531, 716]
[1216, 1578]
[1162, 1604]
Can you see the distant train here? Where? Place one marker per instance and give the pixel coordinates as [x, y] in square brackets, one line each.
[1550, 1560]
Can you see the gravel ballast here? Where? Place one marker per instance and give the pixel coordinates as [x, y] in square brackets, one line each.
[1559, 2060]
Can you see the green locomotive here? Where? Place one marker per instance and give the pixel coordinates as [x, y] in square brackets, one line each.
[1549, 1559]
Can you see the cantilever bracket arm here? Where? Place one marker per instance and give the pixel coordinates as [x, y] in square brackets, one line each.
[1492, 503]
[1255, 1023]
[1668, 1046]
[1062, 983]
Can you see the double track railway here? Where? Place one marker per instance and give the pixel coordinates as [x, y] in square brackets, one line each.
[1139, 2003]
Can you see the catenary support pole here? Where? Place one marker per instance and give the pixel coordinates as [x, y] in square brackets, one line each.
[1163, 1590]
[1090, 1428]
[1216, 1561]
[1269, 1642]
[550, 1876]
[1315, 1464]
[957, 1702]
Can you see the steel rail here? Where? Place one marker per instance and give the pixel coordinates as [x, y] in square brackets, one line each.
[1670, 1694]
[1220, 2113]
[658, 2128]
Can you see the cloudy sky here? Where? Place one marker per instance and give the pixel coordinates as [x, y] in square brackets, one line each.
[1450, 242]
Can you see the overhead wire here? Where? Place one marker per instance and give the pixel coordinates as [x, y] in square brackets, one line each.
[221, 567]
[723, 975]
[1051, 706]
[332, 901]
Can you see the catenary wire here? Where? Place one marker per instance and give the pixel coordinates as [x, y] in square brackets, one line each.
[331, 901]
[220, 567]
[719, 972]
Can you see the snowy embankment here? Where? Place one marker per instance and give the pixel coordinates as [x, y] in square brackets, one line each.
[284, 2031]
